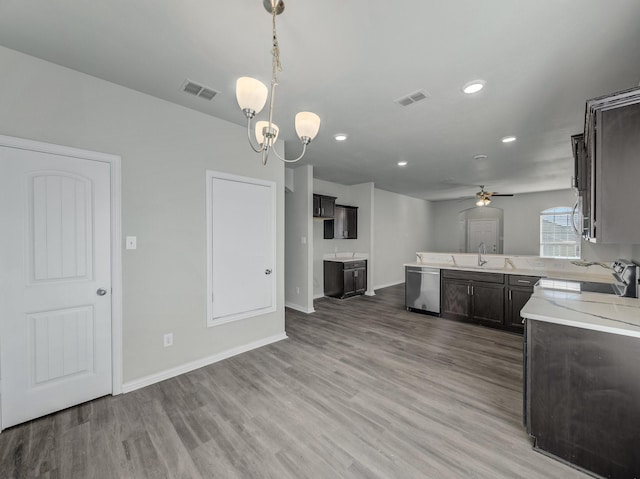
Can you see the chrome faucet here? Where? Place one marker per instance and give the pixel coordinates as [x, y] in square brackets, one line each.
[482, 249]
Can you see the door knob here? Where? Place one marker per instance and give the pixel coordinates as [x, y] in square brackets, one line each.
[267, 271]
[101, 292]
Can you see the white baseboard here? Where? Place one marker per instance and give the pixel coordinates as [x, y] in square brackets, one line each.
[370, 293]
[318, 296]
[297, 307]
[185, 368]
[386, 285]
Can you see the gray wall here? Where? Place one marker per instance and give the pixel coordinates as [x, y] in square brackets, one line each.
[165, 151]
[521, 225]
[298, 255]
[402, 226]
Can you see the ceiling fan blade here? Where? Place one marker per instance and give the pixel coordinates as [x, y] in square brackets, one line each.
[502, 194]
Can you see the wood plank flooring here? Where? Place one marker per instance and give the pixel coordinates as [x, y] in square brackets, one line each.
[362, 389]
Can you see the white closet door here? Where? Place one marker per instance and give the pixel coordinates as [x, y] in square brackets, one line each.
[55, 252]
[241, 247]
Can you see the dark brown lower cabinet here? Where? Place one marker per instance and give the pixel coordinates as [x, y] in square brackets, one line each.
[491, 299]
[519, 290]
[487, 303]
[583, 397]
[471, 296]
[455, 298]
[344, 279]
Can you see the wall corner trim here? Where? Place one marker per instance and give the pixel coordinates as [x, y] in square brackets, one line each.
[193, 365]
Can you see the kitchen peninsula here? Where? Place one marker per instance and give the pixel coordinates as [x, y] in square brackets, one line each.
[489, 290]
[582, 380]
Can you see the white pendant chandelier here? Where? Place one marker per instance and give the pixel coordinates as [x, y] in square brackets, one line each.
[252, 95]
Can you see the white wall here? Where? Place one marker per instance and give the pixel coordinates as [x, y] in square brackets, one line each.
[299, 240]
[165, 151]
[521, 225]
[402, 226]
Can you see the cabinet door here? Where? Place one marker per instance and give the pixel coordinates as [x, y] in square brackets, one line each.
[516, 299]
[339, 222]
[327, 206]
[455, 298]
[487, 303]
[360, 280]
[351, 223]
[349, 282]
[327, 229]
[316, 205]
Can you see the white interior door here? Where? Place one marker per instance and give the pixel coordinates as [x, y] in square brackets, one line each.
[241, 247]
[482, 231]
[55, 253]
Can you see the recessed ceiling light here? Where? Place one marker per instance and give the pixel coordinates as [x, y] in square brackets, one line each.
[402, 163]
[340, 136]
[480, 157]
[473, 87]
[508, 139]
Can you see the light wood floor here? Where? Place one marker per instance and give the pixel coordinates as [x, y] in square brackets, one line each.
[362, 389]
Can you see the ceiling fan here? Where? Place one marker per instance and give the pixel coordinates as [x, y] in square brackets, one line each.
[484, 197]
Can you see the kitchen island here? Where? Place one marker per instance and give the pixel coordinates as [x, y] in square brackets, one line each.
[582, 380]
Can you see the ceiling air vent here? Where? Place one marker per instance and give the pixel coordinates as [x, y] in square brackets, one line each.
[195, 89]
[412, 98]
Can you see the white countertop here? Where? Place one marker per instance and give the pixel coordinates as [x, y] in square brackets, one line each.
[600, 312]
[544, 273]
[344, 257]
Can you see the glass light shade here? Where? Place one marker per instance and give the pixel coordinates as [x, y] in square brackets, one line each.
[261, 125]
[479, 203]
[251, 94]
[307, 124]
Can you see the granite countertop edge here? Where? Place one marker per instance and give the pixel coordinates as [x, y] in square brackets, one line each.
[599, 312]
[543, 273]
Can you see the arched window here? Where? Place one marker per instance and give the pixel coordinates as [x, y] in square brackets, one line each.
[558, 237]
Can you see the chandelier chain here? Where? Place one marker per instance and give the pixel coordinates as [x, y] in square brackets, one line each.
[275, 52]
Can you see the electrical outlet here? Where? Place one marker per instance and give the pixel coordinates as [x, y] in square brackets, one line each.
[168, 340]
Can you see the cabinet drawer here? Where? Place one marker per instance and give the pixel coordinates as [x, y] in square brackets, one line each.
[518, 280]
[473, 276]
[355, 264]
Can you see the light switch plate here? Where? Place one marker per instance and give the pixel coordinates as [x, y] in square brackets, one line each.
[130, 242]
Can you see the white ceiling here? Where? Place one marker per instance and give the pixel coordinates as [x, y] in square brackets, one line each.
[348, 60]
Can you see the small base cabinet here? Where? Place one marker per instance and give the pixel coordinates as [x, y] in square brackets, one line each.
[344, 279]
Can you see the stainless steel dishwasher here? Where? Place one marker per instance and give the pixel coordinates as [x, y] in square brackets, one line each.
[422, 289]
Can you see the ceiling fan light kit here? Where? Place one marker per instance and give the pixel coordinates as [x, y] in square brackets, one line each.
[484, 197]
[252, 95]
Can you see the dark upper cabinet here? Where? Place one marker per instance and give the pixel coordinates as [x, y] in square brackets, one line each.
[344, 225]
[324, 206]
[612, 142]
[346, 222]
